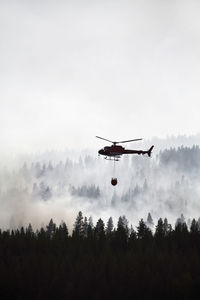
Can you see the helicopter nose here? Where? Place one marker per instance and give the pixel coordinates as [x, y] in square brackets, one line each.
[100, 151]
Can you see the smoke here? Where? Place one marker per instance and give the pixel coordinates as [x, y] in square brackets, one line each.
[70, 69]
[48, 186]
[69, 66]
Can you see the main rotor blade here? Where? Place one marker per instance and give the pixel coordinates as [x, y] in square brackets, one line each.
[104, 139]
[135, 140]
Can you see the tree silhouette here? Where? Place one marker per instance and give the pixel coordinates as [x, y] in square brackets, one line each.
[51, 228]
[150, 222]
[99, 230]
[143, 231]
[120, 263]
[109, 227]
[78, 226]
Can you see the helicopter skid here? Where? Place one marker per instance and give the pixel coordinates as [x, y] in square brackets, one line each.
[114, 159]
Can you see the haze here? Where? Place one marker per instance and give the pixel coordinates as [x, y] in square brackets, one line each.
[71, 70]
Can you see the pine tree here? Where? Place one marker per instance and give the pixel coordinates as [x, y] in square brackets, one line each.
[78, 226]
[85, 227]
[110, 226]
[160, 230]
[181, 227]
[63, 230]
[51, 228]
[150, 222]
[198, 222]
[91, 222]
[180, 220]
[90, 228]
[122, 233]
[132, 238]
[99, 230]
[125, 225]
[22, 232]
[143, 231]
[167, 227]
[29, 230]
[194, 229]
[189, 222]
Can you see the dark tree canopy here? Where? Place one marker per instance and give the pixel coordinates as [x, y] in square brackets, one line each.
[99, 263]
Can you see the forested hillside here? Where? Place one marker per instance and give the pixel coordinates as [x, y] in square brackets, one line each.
[165, 185]
[148, 249]
[101, 261]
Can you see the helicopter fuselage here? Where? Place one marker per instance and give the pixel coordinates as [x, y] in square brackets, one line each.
[115, 150]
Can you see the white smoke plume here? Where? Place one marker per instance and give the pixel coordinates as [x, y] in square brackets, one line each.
[45, 187]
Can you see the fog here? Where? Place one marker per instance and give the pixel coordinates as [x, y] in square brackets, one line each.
[58, 185]
[71, 70]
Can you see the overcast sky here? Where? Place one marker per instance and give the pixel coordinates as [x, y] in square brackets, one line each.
[70, 70]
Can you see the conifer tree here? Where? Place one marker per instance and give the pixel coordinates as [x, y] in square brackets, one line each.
[63, 230]
[29, 231]
[85, 227]
[90, 229]
[99, 230]
[132, 238]
[167, 227]
[150, 222]
[180, 220]
[122, 233]
[51, 228]
[143, 231]
[125, 225]
[78, 226]
[160, 230]
[90, 222]
[194, 229]
[110, 226]
[198, 222]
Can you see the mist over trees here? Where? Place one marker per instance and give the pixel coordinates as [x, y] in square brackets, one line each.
[166, 184]
[67, 233]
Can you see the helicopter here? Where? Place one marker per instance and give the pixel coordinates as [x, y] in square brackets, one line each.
[114, 152]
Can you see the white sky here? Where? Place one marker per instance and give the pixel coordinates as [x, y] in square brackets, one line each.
[121, 69]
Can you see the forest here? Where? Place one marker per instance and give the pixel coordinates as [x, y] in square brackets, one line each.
[91, 255]
[57, 185]
[101, 261]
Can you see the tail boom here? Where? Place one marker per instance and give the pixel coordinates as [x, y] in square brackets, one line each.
[139, 152]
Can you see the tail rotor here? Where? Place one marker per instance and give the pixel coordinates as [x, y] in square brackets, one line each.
[150, 151]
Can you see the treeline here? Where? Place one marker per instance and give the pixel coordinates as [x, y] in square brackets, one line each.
[90, 191]
[171, 175]
[101, 261]
[185, 158]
